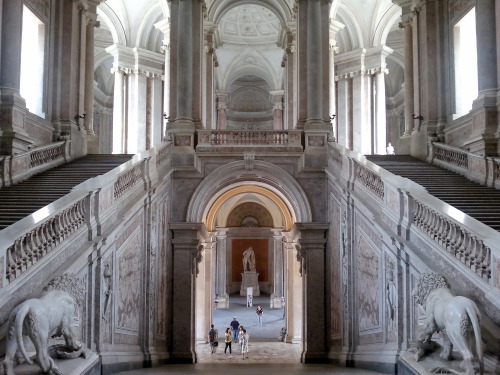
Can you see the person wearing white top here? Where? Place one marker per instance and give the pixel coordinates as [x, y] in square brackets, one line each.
[244, 345]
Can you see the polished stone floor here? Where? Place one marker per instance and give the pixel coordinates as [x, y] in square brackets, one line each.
[266, 353]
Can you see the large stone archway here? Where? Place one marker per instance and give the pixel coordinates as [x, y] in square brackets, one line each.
[199, 245]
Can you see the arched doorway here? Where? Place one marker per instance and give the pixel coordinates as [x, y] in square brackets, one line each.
[214, 202]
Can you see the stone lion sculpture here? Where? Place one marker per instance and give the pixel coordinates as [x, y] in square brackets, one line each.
[455, 316]
[40, 318]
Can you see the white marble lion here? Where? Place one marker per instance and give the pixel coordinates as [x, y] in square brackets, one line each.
[44, 317]
[457, 317]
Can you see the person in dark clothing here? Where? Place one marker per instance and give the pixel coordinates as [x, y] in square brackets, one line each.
[212, 335]
[235, 327]
[259, 312]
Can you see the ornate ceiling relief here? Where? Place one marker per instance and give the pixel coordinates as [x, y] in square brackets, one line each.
[41, 7]
[458, 8]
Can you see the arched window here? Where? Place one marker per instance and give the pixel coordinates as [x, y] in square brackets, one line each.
[465, 51]
[32, 62]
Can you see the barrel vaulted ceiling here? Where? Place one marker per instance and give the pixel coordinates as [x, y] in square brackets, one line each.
[248, 35]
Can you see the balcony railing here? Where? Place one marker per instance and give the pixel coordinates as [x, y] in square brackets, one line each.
[210, 139]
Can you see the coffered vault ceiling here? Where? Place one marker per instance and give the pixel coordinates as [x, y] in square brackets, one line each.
[249, 31]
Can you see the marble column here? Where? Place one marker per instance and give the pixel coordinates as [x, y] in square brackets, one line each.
[13, 138]
[89, 70]
[222, 100]
[118, 111]
[211, 63]
[12, 18]
[204, 294]
[187, 239]
[486, 41]
[311, 252]
[484, 138]
[290, 118]
[408, 76]
[221, 269]
[293, 291]
[278, 270]
[276, 97]
[362, 113]
[164, 27]
[380, 141]
[335, 27]
[344, 111]
[155, 110]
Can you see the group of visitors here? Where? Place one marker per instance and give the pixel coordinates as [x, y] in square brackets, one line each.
[238, 335]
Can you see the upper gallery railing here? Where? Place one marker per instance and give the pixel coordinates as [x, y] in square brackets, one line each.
[77, 217]
[14, 169]
[482, 169]
[210, 139]
[416, 215]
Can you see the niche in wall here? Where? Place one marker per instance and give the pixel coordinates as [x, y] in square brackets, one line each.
[260, 248]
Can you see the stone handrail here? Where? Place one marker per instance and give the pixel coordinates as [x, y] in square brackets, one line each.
[370, 180]
[211, 138]
[419, 216]
[481, 169]
[76, 217]
[456, 240]
[14, 169]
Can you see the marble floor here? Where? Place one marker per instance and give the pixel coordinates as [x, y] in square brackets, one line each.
[266, 353]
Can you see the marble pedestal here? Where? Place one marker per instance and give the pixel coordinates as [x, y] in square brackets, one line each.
[250, 279]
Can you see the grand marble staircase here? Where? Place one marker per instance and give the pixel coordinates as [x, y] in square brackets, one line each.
[478, 201]
[20, 200]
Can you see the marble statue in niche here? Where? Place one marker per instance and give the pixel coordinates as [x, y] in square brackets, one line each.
[41, 318]
[457, 317]
[248, 260]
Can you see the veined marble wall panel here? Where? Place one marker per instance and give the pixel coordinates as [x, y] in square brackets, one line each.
[367, 270]
[335, 248]
[162, 279]
[183, 189]
[129, 276]
[80, 316]
[315, 189]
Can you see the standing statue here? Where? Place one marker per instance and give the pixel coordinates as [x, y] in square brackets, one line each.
[457, 317]
[44, 317]
[248, 260]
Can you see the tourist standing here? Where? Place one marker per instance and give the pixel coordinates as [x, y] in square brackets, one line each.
[228, 340]
[235, 325]
[259, 314]
[212, 335]
[244, 346]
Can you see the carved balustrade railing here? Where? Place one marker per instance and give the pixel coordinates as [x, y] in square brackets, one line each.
[465, 246]
[335, 156]
[451, 156]
[127, 180]
[419, 217]
[75, 217]
[484, 170]
[269, 138]
[31, 247]
[14, 169]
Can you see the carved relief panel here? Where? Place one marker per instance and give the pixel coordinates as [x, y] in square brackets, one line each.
[335, 266]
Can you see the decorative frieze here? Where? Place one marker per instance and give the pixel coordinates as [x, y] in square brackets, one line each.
[41, 7]
[457, 8]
